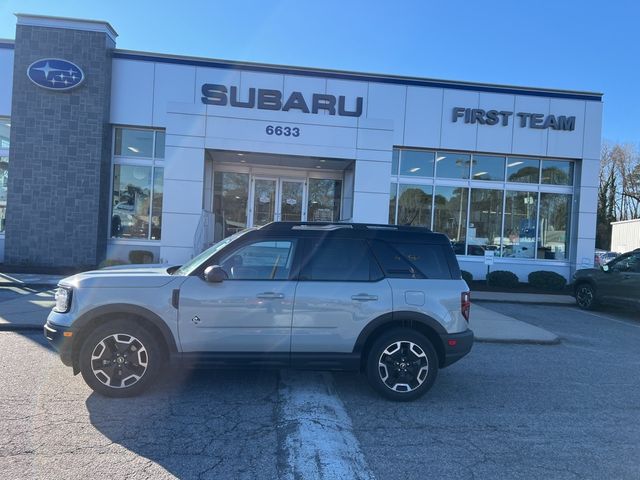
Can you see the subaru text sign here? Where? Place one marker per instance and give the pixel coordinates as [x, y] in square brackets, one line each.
[55, 74]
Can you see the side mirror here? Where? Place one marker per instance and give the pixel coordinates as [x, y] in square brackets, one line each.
[215, 274]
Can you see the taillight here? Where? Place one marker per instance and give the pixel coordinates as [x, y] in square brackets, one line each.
[465, 304]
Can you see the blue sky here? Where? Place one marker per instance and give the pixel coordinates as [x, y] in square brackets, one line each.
[577, 45]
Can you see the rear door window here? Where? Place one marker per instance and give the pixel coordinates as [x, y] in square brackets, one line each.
[340, 260]
[413, 260]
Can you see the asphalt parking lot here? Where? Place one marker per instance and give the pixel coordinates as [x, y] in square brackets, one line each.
[506, 411]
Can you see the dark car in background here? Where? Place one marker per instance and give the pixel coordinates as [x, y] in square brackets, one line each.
[616, 282]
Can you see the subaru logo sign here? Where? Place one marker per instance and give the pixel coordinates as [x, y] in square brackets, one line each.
[55, 74]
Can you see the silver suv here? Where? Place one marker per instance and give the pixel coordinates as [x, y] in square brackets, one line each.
[385, 300]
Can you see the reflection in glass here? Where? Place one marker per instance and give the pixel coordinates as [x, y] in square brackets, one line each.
[392, 203]
[485, 221]
[452, 165]
[230, 196]
[130, 206]
[555, 211]
[134, 143]
[160, 138]
[394, 161]
[5, 132]
[156, 207]
[520, 211]
[524, 170]
[324, 200]
[414, 205]
[416, 163]
[291, 201]
[557, 172]
[450, 215]
[4, 171]
[264, 201]
[487, 167]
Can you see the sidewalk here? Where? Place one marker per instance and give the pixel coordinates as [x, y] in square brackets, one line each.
[29, 280]
[29, 312]
[527, 298]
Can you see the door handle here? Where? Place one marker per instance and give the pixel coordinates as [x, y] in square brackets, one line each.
[363, 297]
[270, 295]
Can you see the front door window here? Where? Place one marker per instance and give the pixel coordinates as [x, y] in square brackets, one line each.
[264, 201]
[291, 200]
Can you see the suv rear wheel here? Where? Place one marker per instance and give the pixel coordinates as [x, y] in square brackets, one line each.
[402, 365]
[586, 296]
[120, 359]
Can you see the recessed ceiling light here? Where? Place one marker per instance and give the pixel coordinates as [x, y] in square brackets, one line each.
[243, 161]
[414, 169]
[133, 149]
[440, 158]
[318, 166]
[514, 164]
[240, 154]
[479, 174]
[322, 160]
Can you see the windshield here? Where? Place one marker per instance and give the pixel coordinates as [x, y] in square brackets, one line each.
[196, 261]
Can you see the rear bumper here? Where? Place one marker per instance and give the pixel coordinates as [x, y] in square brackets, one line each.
[456, 346]
[55, 334]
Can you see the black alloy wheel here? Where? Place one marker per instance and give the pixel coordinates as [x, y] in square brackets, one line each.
[402, 365]
[120, 359]
[586, 296]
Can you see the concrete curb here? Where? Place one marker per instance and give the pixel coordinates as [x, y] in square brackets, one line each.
[556, 341]
[524, 302]
[20, 328]
[34, 286]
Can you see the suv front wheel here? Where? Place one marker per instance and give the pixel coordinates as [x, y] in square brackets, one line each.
[402, 365]
[120, 359]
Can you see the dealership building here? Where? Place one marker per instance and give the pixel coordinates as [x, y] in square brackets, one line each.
[106, 151]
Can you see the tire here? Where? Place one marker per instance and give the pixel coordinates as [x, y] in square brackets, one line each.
[402, 365]
[586, 296]
[116, 342]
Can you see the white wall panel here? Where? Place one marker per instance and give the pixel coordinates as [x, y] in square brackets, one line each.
[306, 85]
[184, 163]
[564, 143]
[387, 102]
[529, 141]
[458, 135]
[182, 196]
[592, 130]
[173, 83]
[589, 172]
[496, 138]
[175, 255]
[371, 207]
[181, 124]
[423, 117]
[372, 177]
[178, 229]
[588, 200]
[132, 92]
[6, 81]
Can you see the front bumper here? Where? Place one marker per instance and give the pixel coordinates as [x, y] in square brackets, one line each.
[456, 346]
[60, 338]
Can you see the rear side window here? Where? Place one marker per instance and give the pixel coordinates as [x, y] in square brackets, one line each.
[413, 260]
[345, 260]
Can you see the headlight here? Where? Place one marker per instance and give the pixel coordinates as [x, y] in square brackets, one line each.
[63, 300]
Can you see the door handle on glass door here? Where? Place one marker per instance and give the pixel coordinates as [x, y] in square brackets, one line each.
[270, 295]
[363, 297]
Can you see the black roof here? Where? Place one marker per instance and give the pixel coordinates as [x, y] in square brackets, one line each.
[358, 230]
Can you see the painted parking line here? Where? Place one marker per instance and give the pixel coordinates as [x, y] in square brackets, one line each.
[629, 323]
[316, 431]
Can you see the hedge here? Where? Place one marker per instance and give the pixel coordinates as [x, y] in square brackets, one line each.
[546, 280]
[502, 278]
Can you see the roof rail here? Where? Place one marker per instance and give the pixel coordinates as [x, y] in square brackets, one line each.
[330, 226]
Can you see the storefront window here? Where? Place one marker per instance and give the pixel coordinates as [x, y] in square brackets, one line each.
[452, 165]
[231, 194]
[5, 132]
[392, 203]
[555, 212]
[4, 170]
[523, 170]
[450, 215]
[416, 163]
[557, 172]
[156, 208]
[520, 212]
[395, 160]
[324, 200]
[414, 205]
[130, 142]
[485, 221]
[485, 167]
[131, 194]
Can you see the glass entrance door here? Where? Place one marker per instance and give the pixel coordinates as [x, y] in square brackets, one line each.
[292, 205]
[277, 199]
[264, 201]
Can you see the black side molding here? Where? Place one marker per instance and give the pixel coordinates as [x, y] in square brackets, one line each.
[175, 298]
